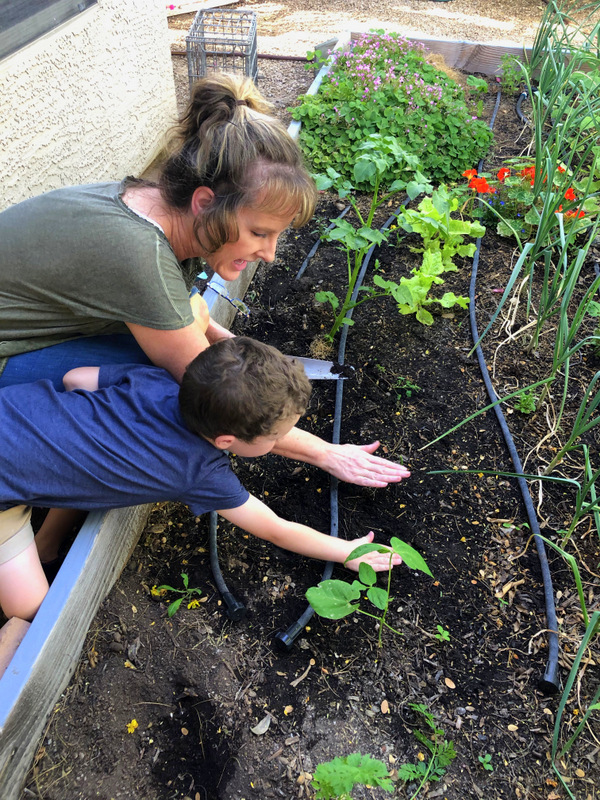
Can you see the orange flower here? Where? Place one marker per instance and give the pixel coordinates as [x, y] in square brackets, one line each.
[570, 194]
[503, 173]
[561, 169]
[577, 214]
[480, 185]
[469, 173]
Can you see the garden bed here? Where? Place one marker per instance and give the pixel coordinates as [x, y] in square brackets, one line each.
[197, 684]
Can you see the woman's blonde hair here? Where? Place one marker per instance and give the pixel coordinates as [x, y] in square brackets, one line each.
[226, 140]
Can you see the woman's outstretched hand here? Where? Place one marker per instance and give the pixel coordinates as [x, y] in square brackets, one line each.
[356, 464]
[379, 561]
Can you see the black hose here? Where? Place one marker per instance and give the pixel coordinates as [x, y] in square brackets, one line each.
[549, 684]
[233, 608]
[316, 245]
[523, 96]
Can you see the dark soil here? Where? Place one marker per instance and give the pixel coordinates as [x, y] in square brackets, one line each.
[197, 684]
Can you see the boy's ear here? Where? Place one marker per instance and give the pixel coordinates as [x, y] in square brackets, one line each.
[224, 441]
[202, 197]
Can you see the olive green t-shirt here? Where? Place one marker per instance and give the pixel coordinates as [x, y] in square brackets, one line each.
[78, 262]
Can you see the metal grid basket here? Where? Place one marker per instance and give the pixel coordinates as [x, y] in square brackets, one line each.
[222, 41]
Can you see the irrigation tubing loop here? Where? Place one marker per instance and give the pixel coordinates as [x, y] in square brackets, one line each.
[284, 640]
[549, 684]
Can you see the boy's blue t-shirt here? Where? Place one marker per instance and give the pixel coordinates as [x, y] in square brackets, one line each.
[122, 445]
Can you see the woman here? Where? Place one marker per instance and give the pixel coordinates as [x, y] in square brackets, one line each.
[103, 259]
[100, 274]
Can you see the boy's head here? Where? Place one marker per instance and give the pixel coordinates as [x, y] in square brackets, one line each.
[243, 395]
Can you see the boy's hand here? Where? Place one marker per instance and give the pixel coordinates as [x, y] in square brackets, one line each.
[356, 464]
[379, 561]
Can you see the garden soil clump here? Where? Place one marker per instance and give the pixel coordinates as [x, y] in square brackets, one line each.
[195, 706]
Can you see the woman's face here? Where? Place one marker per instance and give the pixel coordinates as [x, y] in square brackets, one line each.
[258, 235]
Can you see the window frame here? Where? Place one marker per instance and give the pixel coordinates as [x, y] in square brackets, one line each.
[24, 21]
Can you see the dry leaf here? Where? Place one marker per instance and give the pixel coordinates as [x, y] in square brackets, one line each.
[450, 683]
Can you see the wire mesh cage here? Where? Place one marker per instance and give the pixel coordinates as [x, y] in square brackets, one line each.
[222, 41]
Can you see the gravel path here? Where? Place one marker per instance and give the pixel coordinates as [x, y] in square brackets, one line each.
[292, 27]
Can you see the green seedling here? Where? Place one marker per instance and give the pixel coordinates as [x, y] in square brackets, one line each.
[335, 599]
[486, 762]
[335, 779]
[526, 402]
[187, 594]
[405, 387]
[442, 635]
[441, 751]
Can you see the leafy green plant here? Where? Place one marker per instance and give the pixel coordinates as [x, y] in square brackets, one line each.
[377, 155]
[443, 239]
[405, 387]
[442, 635]
[441, 753]
[486, 762]
[477, 85]
[187, 595]
[335, 599]
[381, 83]
[335, 779]
[511, 75]
[526, 401]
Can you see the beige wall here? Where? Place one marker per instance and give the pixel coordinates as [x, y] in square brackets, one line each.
[86, 102]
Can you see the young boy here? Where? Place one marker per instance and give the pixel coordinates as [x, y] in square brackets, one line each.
[134, 436]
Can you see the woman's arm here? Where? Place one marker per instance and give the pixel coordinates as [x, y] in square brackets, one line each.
[257, 519]
[348, 462]
[172, 350]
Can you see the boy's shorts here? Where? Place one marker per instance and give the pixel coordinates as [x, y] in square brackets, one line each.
[16, 533]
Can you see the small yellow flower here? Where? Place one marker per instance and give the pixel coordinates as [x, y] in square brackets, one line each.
[156, 592]
[131, 726]
[194, 603]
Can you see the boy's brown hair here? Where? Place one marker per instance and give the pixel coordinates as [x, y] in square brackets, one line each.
[240, 387]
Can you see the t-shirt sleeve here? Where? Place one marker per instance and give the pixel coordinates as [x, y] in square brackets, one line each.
[114, 374]
[220, 489]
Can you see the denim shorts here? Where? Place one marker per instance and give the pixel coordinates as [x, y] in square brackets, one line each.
[54, 361]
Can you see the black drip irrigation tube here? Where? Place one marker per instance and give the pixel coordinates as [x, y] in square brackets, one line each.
[549, 683]
[284, 640]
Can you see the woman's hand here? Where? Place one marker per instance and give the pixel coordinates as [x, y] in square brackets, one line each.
[357, 464]
[379, 561]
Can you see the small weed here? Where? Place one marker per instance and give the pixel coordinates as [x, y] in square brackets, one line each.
[187, 594]
[512, 76]
[442, 635]
[405, 387]
[441, 751]
[526, 402]
[335, 779]
[486, 762]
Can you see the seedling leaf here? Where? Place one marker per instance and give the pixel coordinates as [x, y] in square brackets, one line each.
[409, 555]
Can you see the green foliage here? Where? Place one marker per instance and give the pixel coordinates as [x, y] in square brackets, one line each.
[526, 401]
[335, 599]
[443, 239]
[442, 635]
[405, 387]
[511, 78]
[486, 762]
[382, 83]
[441, 752]
[377, 155]
[337, 778]
[186, 594]
[477, 85]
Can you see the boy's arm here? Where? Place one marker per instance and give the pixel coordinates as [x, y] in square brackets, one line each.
[348, 462]
[82, 378]
[257, 519]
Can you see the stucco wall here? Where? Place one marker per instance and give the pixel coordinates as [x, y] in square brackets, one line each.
[87, 102]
